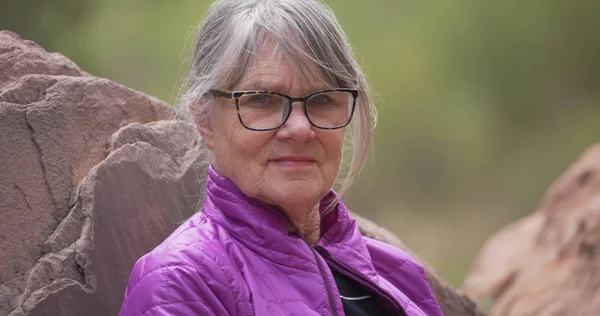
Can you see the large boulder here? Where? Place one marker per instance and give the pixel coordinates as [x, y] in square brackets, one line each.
[123, 208]
[548, 263]
[92, 176]
[55, 121]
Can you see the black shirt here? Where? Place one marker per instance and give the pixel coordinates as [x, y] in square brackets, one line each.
[356, 299]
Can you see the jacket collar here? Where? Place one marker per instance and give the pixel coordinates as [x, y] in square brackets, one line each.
[253, 218]
[264, 228]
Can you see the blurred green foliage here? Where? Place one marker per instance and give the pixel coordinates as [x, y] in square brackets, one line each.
[482, 104]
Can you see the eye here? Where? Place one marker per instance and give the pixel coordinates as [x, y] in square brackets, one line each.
[261, 101]
[320, 99]
[260, 98]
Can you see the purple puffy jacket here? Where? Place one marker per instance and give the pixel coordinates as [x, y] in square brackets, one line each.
[237, 258]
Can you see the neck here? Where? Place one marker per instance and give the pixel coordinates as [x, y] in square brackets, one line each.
[307, 222]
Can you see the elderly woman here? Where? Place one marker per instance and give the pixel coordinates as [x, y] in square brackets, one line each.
[273, 86]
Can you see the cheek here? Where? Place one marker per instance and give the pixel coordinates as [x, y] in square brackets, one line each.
[246, 145]
[239, 153]
[333, 144]
[223, 127]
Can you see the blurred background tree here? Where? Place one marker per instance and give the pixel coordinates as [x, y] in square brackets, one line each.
[482, 104]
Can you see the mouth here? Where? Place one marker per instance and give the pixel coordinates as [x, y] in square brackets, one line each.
[294, 161]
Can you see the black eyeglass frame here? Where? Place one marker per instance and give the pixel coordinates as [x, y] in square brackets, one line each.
[236, 95]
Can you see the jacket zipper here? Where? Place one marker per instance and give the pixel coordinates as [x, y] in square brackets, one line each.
[355, 275]
[327, 285]
[323, 275]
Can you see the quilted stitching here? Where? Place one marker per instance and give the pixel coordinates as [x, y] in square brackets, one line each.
[262, 270]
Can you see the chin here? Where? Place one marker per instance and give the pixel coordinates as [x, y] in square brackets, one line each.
[297, 193]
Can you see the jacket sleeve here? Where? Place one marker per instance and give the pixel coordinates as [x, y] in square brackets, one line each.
[168, 284]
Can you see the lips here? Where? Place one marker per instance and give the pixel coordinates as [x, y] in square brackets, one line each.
[294, 161]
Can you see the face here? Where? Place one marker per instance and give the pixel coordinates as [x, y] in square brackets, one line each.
[292, 167]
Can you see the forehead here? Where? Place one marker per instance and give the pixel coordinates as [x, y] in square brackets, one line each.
[270, 68]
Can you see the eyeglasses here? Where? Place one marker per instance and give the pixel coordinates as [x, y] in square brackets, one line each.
[266, 110]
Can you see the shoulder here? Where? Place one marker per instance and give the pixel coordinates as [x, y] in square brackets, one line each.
[404, 272]
[390, 261]
[189, 273]
[379, 248]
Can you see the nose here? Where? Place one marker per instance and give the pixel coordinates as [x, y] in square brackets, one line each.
[297, 125]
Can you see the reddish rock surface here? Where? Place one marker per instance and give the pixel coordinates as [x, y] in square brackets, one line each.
[19, 57]
[55, 121]
[548, 263]
[126, 206]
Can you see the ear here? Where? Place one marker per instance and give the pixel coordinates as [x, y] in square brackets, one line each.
[202, 123]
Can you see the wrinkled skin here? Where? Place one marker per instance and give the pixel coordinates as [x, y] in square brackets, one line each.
[292, 167]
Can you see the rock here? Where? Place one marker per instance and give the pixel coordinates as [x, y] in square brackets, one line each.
[54, 128]
[548, 263]
[126, 206]
[20, 57]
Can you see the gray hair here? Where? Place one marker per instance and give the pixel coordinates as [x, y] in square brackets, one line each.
[305, 32]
